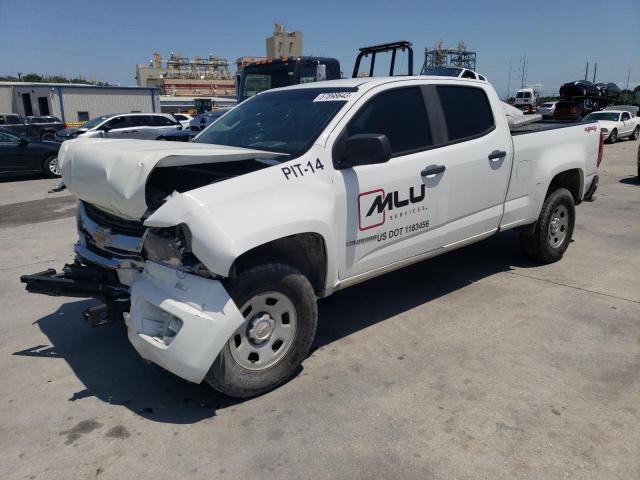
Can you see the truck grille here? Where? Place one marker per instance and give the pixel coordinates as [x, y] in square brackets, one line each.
[116, 224]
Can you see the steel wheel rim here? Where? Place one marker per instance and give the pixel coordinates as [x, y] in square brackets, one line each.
[558, 226]
[53, 166]
[267, 332]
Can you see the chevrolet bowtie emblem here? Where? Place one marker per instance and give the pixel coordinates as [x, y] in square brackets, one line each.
[102, 237]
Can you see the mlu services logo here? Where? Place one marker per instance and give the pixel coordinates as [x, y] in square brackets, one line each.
[374, 204]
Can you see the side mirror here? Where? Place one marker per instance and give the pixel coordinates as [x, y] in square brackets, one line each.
[364, 149]
[23, 141]
[105, 128]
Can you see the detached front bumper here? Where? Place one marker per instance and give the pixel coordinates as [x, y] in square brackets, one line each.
[180, 321]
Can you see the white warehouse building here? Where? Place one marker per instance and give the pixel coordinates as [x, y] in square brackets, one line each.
[75, 103]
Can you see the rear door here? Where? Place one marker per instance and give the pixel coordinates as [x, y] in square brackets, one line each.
[392, 211]
[163, 125]
[478, 154]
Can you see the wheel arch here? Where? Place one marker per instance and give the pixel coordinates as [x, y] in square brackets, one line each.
[572, 180]
[307, 252]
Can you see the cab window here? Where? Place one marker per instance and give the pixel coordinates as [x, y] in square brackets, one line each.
[467, 112]
[399, 114]
[625, 116]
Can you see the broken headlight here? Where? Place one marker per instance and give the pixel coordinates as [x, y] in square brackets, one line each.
[172, 247]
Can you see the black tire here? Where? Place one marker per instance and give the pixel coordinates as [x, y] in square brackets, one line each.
[48, 137]
[50, 167]
[613, 136]
[160, 138]
[226, 375]
[636, 133]
[539, 246]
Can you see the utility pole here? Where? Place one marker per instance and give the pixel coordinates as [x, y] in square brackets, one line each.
[509, 81]
[586, 72]
[628, 75]
[627, 86]
[19, 76]
[523, 61]
[595, 69]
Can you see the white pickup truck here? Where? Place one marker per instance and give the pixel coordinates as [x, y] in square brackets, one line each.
[215, 252]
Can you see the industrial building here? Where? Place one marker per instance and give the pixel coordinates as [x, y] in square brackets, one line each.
[283, 43]
[181, 76]
[74, 103]
[441, 56]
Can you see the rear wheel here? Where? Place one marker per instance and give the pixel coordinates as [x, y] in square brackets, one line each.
[554, 229]
[47, 137]
[613, 136]
[51, 167]
[280, 311]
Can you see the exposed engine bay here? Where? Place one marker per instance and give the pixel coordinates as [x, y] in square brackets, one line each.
[164, 181]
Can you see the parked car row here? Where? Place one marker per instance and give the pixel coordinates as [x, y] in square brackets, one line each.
[20, 155]
[38, 128]
[143, 126]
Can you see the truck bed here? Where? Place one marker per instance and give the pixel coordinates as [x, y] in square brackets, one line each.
[543, 126]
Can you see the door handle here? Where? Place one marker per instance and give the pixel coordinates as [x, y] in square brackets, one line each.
[134, 131]
[125, 132]
[432, 170]
[497, 154]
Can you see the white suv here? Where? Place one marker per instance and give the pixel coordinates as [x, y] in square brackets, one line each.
[144, 126]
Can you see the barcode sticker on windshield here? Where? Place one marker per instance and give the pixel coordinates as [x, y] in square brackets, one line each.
[333, 97]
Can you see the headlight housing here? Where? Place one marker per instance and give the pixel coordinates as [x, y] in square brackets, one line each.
[172, 247]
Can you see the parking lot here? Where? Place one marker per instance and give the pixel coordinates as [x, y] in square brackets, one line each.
[475, 364]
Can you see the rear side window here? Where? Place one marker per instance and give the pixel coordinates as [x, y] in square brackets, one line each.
[400, 115]
[467, 112]
[120, 122]
[160, 121]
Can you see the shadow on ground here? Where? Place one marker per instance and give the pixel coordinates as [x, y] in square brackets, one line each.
[631, 180]
[111, 370]
[20, 178]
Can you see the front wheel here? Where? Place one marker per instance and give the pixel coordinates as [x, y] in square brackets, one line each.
[636, 133]
[554, 229]
[51, 167]
[613, 136]
[280, 310]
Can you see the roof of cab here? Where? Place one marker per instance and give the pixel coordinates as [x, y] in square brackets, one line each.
[371, 82]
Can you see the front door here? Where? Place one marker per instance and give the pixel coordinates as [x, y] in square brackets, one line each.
[394, 211]
[11, 154]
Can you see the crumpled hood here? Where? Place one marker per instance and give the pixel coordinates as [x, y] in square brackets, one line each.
[112, 173]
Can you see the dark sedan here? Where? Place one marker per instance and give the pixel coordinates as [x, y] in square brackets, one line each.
[21, 156]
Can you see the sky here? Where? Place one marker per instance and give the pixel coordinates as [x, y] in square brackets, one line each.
[105, 40]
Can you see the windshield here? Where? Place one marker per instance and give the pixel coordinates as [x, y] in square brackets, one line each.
[442, 71]
[259, 78]
[285, 122]
[610, 116]
[94, 123]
